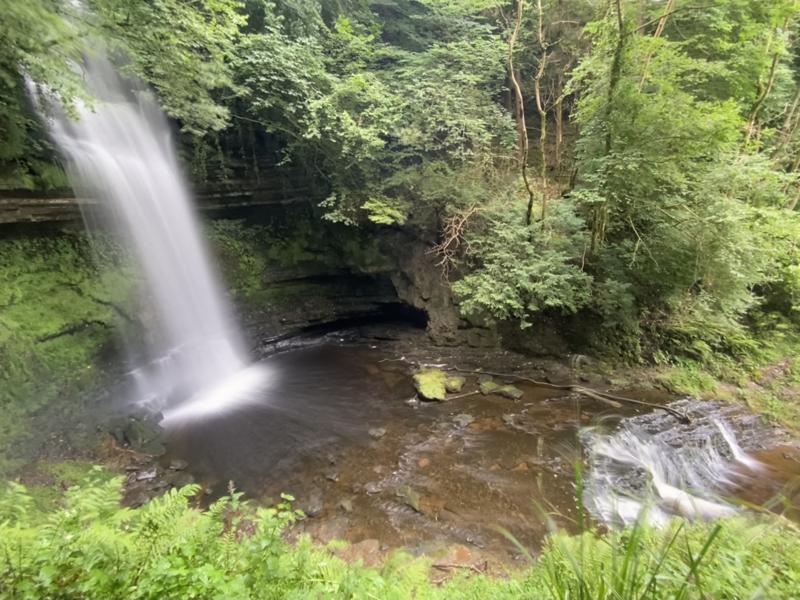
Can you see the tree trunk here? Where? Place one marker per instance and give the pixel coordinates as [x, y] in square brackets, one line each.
[520, 108]
[600, 215]
[542, 110]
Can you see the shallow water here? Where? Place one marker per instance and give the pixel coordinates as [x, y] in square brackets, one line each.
[439, 473]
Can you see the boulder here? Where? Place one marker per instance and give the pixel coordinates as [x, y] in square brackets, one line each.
[431, 384]
[454, 383]
[506, 391]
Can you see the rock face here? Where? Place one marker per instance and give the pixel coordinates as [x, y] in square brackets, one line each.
[419, 283]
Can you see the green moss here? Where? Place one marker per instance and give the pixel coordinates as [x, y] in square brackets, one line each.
[248, 253]
[60, 303]
[454, 383]
[431, 384]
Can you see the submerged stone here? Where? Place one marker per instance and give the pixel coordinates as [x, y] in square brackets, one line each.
[506, 391]
[487, 386]
[410, 497]
[509, 391]
[463, 419]
[431, 384]
[377, 432]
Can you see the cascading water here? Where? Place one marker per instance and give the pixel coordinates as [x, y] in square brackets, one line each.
[121, 154]
[654, 467]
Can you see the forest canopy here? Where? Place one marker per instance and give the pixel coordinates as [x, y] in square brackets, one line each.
[625, 163]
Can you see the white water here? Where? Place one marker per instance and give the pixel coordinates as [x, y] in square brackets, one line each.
[121, 154]
[654, 468]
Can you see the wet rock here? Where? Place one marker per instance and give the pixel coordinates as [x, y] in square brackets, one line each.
[431, 506]
[176, 464]
[410, 497]
[430, 384]
[463, 419]
[312, 504]
[424, 463]
[509, 420]
[372, 488]
[140, 431]
[180, 479]
[377, 432]
[332, 476]
[346, 504]
[454, 383]
[487, 386]
[139, 499]
[506, 391]
[148, 475]
[521, 467]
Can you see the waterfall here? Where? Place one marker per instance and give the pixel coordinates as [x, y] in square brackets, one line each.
[120, 152]
[653, 466]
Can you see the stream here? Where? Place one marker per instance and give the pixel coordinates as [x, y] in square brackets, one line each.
[339, 428]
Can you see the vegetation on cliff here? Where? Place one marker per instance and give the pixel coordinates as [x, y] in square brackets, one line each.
[622, 163]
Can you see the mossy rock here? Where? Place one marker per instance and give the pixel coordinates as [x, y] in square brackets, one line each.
[454, 383]
[506, 391]
[488, 386]
[431, 384]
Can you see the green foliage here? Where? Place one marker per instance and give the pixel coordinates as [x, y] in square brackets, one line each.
[519, 271]
[89, 547]
[366, 117]
[182, 49]
[60, 302]
[39, 37]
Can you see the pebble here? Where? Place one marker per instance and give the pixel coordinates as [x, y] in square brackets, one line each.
[463, 419]
[377, 432]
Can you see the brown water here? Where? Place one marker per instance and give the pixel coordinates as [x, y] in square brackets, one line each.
[340, 431]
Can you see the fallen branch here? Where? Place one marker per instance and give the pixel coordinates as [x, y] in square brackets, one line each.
[605, 397]
[463, 395]
[448, 566]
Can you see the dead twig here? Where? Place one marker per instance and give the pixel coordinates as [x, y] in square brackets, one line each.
[452, 238]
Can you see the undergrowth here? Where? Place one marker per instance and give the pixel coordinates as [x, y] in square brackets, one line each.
[61, 301]
[88, 547]
[766, 378]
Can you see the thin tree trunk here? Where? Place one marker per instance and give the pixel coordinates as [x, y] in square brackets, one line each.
[764, 92]
[559, 110]
[662, 22]
[520, 109]
[615, 73]
[540, 107]
[790, 125]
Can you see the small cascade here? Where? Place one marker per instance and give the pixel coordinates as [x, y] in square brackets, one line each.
[653, 467]
[120, 153]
